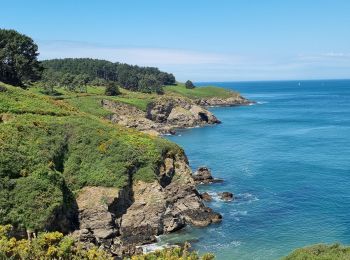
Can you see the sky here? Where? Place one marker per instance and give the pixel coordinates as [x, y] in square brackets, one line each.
[201, 40]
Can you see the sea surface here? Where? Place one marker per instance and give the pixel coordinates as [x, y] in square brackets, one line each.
[286, 159]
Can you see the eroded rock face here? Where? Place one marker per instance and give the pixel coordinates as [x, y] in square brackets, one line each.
[95, 218]
[121, 220]
[162, 116]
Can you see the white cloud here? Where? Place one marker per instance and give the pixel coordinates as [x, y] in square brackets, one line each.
[140, 56]
[208, 66]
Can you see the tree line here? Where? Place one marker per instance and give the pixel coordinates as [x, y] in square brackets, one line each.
[72, 72]
[19, 66]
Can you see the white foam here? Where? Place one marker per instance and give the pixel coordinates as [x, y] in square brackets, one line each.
[152, 247]
[246, 197]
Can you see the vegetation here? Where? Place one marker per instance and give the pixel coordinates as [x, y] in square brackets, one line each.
[18, 58]
[320, 252]
[176, 253]
[50, 149]
[46, 246]
[189, 84]
[200, 92]
[70, 73]
[112, 89]
[55, 245]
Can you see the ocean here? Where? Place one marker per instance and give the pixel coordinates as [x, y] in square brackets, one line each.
[286, 159]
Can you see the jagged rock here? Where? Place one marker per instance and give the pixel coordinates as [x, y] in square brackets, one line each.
[121, 220]
[94, 214]
[227, 196]
[206, 196]
[203, 176]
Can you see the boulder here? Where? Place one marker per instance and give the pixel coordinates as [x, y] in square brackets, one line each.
[226, 196]
[203, 176]
[206, 196]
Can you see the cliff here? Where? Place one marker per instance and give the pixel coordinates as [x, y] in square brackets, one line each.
[64, 169]
[162, 116]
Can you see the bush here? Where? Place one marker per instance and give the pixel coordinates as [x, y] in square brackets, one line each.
[189, 84]
[112, 89]
[46, 246]
[320, 252]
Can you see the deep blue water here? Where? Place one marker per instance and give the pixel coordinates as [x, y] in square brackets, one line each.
[287, 159]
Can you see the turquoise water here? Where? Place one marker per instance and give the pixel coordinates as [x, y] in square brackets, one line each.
[287, 159]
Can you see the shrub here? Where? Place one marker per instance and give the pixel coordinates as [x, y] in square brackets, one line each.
[189, 84]
[112, 89]
[46, 246]
[320, 252]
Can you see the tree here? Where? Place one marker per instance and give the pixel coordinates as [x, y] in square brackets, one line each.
[80, 82]
[149, 84]
[112, 89]
[189, 84]
[18, 58]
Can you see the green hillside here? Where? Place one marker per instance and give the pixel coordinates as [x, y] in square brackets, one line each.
[199, 92]
[49, 149]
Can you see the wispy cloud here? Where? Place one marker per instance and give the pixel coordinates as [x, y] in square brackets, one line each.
[136, 55]
[209, 66]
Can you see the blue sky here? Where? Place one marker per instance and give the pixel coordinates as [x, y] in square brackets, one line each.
[202, 40]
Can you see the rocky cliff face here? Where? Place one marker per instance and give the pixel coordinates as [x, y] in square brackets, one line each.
[120, 220]
[162, 116]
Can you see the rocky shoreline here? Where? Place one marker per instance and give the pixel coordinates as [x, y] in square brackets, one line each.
[120, 221]
[167, 114]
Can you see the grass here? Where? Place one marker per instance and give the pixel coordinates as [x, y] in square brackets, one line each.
[50, 149]
[320, 252]
[199, 92]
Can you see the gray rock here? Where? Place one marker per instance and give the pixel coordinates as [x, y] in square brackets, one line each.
[203, 176]
[206, 196]
[226, 196]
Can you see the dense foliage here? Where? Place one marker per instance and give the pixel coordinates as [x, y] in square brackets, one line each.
[49, 150]
[18, 58]
[320, 252]
[46, 246]
[63, 72]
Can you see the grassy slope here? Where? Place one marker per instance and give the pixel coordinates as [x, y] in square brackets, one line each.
[199, 92]
[320, 252]
[50, 149]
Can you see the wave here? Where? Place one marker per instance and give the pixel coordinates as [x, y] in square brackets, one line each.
[218, 246]
[153, 247]
[246, 197]
[237, 214]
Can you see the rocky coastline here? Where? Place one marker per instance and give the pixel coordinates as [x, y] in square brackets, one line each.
[167, 114]
[120, 221]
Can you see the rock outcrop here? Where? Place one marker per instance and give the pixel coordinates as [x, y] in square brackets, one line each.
[203, 176]
[226, 196]
[163, 116]
[236, 100]
[119, 220]
[206, 196]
